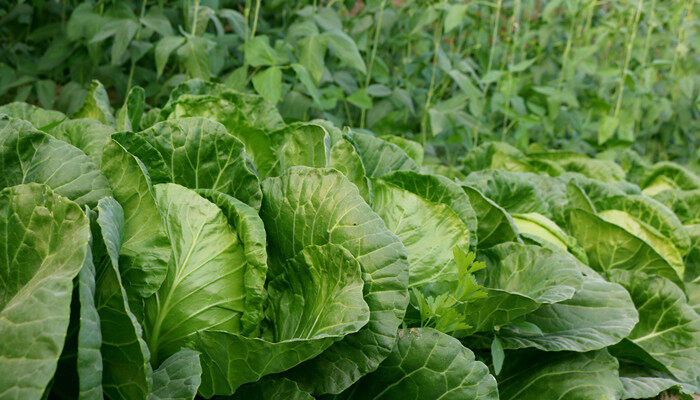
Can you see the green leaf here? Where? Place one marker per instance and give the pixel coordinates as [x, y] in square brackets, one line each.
[178, 377]
[315, 299]
[89, 357]
[164, 48]
[269, 84]
[312, 53]
[411, 148]
[88, 135]
[305, 78]
[518, 279]
[497, 355]
[668, 328]
[28, 155]
[345, 159]
[195, 57]
[606, 128]
[129, 116]
[272, 389]
[41, 119]
[145, 250]
[379, 156]
[200, 154]
[258, 52]
[418, 209]
[334, 212]
[495, 225]
[127, 371]
[204, 287]
[361, 99]
[599, 314]
[156, 20]
[345, 49]
[122, 38]
[47, 236]
[420, 359]
[610, 247]
[46, 92]
[251, 231]
[640, 383]
[534, 375]
[96, 105]
[455, 16]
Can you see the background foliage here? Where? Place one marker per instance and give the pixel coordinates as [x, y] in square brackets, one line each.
[583, 74]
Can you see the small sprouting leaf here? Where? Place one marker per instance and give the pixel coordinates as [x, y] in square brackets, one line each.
[497, 354]
[361, 99]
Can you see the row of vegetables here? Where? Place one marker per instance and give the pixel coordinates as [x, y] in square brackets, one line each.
[208, 248]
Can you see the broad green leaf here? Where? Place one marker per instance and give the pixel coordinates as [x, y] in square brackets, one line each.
[534, 375]
[599, 314]
[611, 247]
[379, 156]
[41, 119]
[653, 215]
[164, 48]
[296, 144]
[494, 225]
[156, 20]
[145, 249]
[541, 227]
[496, 155]
[127, 371]
[269, 84]
[640, 383]
[429, 231]
[251, 231]
[194, 54]
[178, 377]
[428, 365]
[28, 155]
[684, 203]
[88, 135]
[258, 52]
[649, 235]
[204, 287]
[668, 328]
[413, 149]
[315, 299]
[345, 159]
[129, 116]
[96, 105]
[676, 175]
[440, 190]
[122, 38]
[44, 237]
[312, 53]
[344, 48]
[200, 154]
[272, 389]
[510, 190]
[315, 206]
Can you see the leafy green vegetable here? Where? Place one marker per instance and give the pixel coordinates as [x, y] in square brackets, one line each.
[47, 237]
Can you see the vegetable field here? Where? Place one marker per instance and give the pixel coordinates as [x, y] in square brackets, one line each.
[349, 200]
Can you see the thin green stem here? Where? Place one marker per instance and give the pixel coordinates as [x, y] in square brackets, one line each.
[255, 18]
[424, 120]
[193, 29]
[373, 54]
[628, 56]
